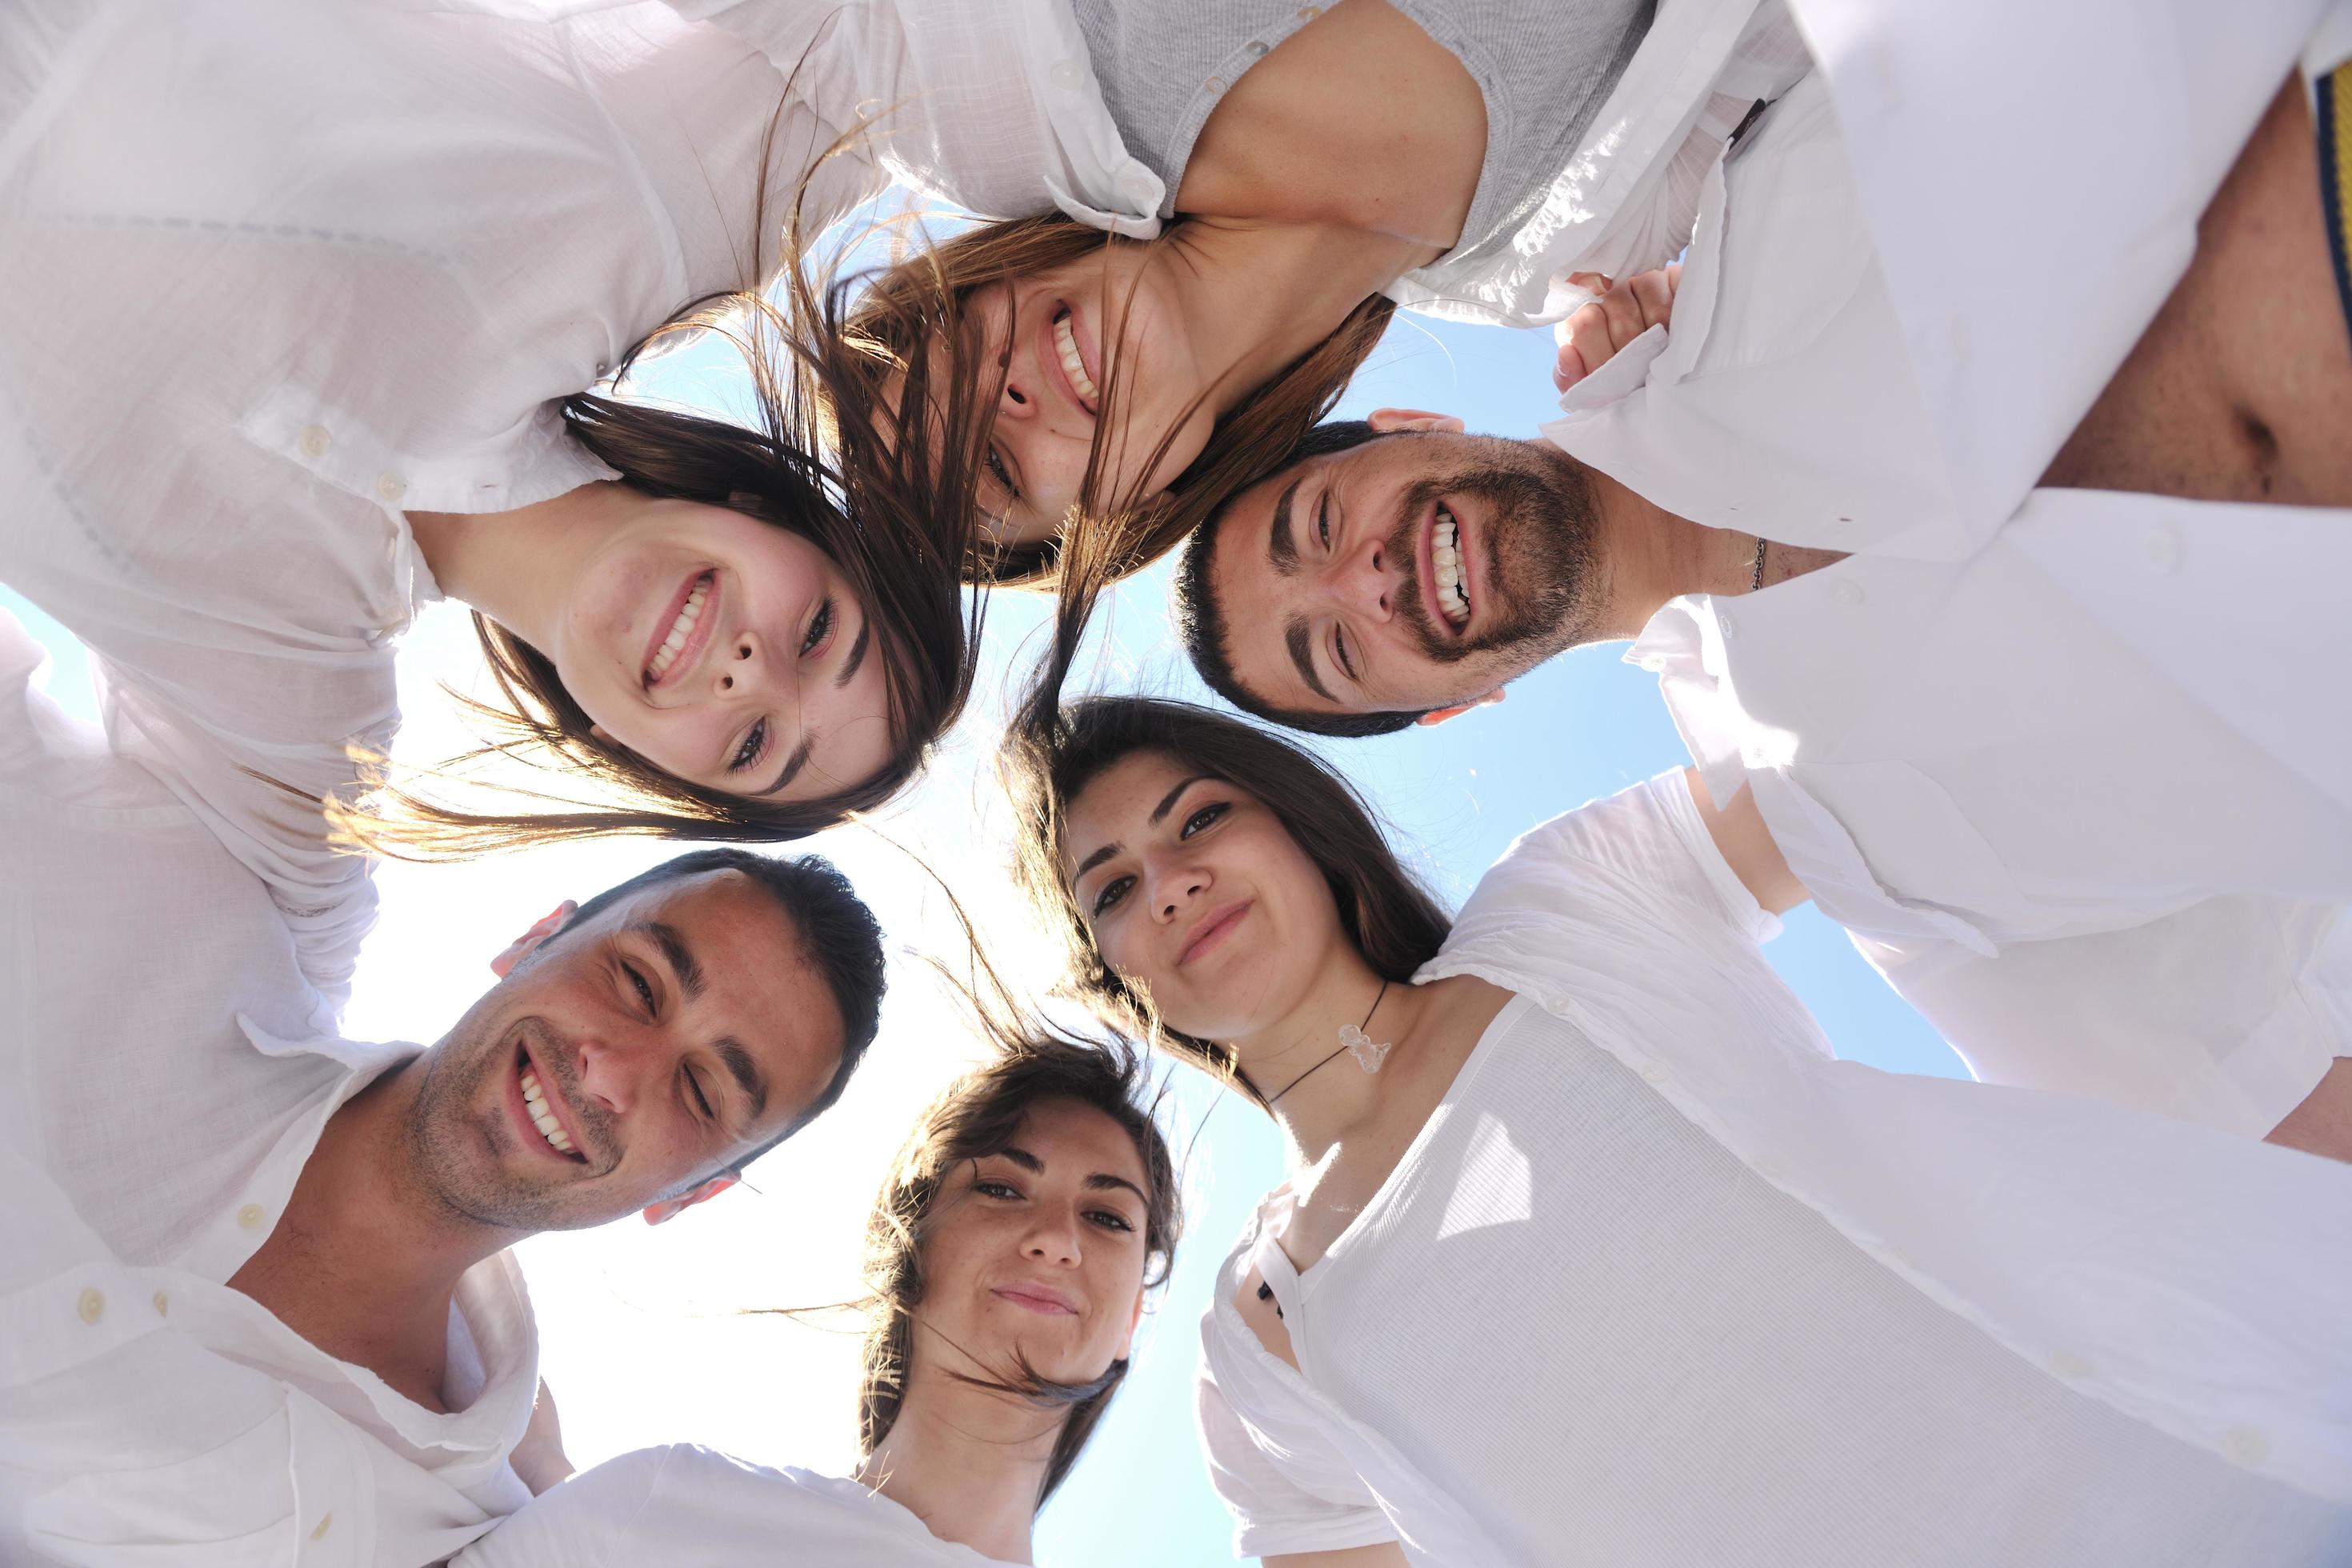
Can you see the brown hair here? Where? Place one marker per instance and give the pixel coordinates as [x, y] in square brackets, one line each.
[979, 1115]
[888, 532]
[1046, 763]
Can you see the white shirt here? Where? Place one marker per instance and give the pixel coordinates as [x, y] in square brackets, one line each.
[1849, 365]
[351, 258]
[165, 1071]
[1662, 1282]
[688, 1504]
[2068, 735]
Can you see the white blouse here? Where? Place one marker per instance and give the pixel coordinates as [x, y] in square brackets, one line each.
[165, 1071]
[1662, 1282]
[691, 1505]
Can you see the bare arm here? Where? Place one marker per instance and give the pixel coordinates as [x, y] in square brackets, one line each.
[1387, 1554]
[1738, 832]
[2321, 1124]
[538, 1458]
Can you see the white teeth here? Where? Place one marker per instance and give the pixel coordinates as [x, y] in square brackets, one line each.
[679, 629]
[1446, 559]
[534, 1100]
[1072, 365]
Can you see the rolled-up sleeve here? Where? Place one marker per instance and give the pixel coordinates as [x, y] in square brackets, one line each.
[1280, 1505]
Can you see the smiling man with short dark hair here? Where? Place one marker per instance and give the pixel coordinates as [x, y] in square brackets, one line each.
[254, 1276]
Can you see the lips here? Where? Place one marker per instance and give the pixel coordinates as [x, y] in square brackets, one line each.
[1215, 927]
[524, 1063]
[689, 618]
[1042, 1299]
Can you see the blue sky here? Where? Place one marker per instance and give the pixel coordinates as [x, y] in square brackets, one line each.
[635, 1364]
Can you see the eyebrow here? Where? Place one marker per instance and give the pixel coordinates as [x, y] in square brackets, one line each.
[746, 1074]
[1101, 1180]
[857, 654]
[1281, 548]
[1158, 815]
[1295, 639]
[674, 952]
[793, 764]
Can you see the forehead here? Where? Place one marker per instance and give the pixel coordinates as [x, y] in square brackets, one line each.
[754, 966]
[1118, 801]
[1073, 1138]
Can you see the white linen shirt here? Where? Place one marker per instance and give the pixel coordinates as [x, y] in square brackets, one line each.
[271, 272]
[689, 1504]
[166, 1069]
[1848, 367]
[2066, 740]
[1706, 1294]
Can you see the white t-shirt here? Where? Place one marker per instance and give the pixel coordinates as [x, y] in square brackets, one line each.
[691, 1505]
[165, 1071]
[1660, 1282]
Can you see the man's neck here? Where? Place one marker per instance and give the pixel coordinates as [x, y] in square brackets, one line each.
[363, 1263]
[1650, 556]
[969, 1463]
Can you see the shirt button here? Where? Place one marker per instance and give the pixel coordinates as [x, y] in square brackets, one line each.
[391, 487]
[1654, 1072]
[91, 1305]
[1255, 51]
[2164, 552]
[2070, 1366]
[604, 366]
[250, 1217]
[1845, 591]
[1138, 187]
[319, 1530]
[163, 1305]
[1214, 84]
[1066, 74]
[1766, 1167]
[1308, 12]
[315, 441]
[2246, 1445]
[1725, 625]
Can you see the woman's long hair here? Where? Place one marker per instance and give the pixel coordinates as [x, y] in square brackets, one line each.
[978, 1115]
[1048, 760]
[892, 509]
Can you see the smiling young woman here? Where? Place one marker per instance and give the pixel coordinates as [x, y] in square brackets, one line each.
[1031, 1213]
[1587, 1236]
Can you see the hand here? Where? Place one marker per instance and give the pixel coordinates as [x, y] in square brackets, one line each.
[1594, 333]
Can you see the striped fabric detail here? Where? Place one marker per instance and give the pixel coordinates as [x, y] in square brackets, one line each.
[2332, 113]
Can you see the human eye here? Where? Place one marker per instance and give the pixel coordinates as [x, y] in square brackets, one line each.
[989, 1186]
[754, 744]
[1111, 893]
[1323, 520]
[820, 627]
[1339, 654]
[638, 979]
[1111, 1219]
[1201, 820]
[701, 1101]
[1003, 475]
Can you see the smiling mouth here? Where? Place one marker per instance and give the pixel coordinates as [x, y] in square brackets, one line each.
[686, 632]
[1449, 575]
[1073, 363]
[1213, 930]
[1038, 1298]
[541, 1112]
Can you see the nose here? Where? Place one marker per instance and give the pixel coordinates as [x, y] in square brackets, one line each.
[611, 1071]
[737, 670]
[1175, 888]
[1052, 1237]
[1363, 582]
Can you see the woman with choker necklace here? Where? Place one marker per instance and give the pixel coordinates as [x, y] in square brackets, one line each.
[1590, 1251]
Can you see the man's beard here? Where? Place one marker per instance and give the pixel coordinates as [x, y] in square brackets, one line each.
[455, 1160]
[1539, 584]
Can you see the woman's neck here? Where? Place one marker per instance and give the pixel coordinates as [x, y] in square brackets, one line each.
[1257, 296]
[1320, 1095]
[516, 567]
[969, 1462]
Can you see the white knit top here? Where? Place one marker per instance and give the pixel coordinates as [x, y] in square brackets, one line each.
[1575, 1326]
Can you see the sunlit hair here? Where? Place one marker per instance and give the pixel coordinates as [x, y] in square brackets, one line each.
[813, 465]
[978, 1115]
[1048, 762]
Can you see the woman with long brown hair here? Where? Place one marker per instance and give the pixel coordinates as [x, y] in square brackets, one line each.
[1592, 1252]
[1032, 1209]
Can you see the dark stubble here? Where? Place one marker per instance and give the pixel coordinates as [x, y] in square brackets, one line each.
[1539, 583]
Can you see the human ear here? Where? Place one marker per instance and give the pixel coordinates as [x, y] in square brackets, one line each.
[546, 926]
[1387, 419]
[670, 1208]
[1440, 715]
